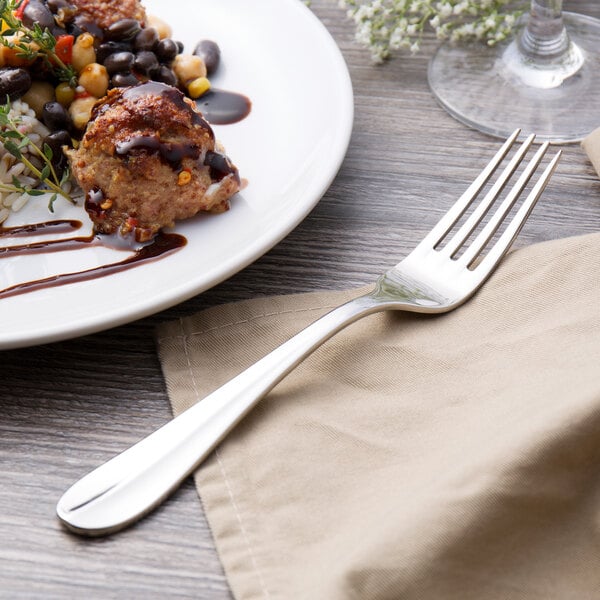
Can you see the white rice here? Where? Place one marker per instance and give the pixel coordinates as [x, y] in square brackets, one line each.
[10, 166]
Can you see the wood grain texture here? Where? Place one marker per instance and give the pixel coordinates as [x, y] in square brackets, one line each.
[69, 406]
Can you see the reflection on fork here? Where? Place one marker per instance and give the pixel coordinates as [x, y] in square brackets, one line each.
[441, 273]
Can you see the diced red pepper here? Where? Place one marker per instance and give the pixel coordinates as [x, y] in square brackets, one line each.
[82, 94]
[21, 9]
[64, 48]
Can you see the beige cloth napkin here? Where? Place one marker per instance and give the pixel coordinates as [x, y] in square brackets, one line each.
[591, 145]
[452, 457]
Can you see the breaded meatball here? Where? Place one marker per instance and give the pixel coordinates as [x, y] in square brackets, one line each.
[106, 12]
[147, 159]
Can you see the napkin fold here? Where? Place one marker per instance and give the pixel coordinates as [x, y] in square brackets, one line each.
[447, 457]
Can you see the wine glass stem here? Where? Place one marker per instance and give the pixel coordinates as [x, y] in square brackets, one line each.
[545, 38]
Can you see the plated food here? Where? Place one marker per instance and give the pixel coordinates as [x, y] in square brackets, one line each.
[289, 148]
[101, 96]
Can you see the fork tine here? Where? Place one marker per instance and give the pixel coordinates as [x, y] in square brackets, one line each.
[435, 236]
[475, 248]
[499, 249]
[461, 236]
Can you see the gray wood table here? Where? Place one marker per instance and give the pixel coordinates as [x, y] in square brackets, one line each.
[69, 406]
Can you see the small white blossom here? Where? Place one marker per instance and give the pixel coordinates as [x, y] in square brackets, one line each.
[387, 25]
[460, 8]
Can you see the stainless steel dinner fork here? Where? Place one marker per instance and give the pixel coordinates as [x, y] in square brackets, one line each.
[441, 273]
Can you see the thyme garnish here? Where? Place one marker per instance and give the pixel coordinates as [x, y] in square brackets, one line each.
[33, 43]
[16, 142]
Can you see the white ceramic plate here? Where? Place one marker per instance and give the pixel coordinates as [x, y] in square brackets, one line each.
[289, 148]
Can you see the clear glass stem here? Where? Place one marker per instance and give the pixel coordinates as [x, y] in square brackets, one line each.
[545, 36]
[544, 80]
[543, 55]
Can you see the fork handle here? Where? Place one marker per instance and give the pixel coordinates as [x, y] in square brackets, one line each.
[134, 482]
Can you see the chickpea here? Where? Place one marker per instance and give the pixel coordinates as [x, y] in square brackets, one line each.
[38, 94]
[81, 111]
[83, 51]
[94, 78]
[188, 67]
[164, 29]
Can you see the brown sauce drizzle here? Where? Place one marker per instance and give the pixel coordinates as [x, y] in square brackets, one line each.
[220, 166]
[161, 245]
[170, 152]
[221, 107]
[51, 246]
[155, 88]
[58, 226]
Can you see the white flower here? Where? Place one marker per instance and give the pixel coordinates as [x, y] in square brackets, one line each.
[460, 8]
[445, 10]
[387, 25]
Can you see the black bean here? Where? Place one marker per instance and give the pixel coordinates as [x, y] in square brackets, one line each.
[180, 47]
[37, 12]
[145, 62]
[210, 53]
[119, 62]
[81, 24]
[165, 75]
[55, 116]
[55, 142]
[59, 138]
[107, 48]
[166, 50]
[124, 80]
[57, 31]
[146, 39]
[56, 5]
[13, 83]
[123, 29]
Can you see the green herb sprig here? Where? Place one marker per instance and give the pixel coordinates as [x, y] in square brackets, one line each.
[33, 43]
[15, 142]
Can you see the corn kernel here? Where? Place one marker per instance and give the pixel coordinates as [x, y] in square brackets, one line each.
[198, 86]
[184, 178]
[106, 204]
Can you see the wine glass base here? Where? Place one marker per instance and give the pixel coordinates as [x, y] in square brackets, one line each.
[475, 85]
